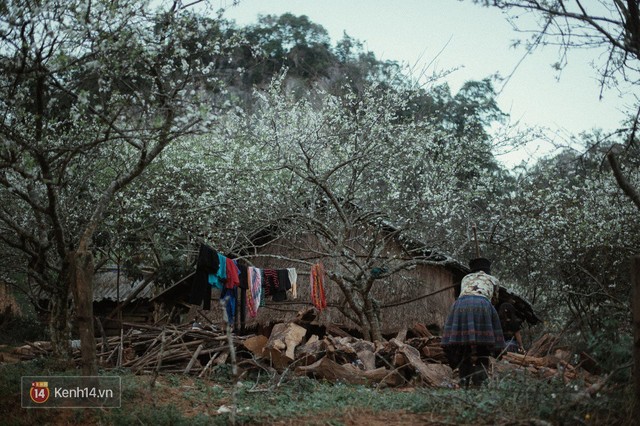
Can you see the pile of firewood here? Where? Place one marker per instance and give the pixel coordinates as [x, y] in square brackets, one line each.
[144, 348]
[351, 360]
[302, 347]
[168, 349]
[546, 360]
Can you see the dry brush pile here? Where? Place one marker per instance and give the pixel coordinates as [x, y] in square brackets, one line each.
[293, 348]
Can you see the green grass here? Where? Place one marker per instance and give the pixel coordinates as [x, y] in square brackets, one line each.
[178, 400]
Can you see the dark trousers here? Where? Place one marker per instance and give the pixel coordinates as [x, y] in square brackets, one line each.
[472, 362]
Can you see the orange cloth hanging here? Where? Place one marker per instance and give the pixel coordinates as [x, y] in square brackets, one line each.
[317, 286]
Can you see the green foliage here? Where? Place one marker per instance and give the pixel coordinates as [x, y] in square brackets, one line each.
[223, 373]
[310, 398]
[19, 329]
[100, 93]
[302, 47]
[613, 351]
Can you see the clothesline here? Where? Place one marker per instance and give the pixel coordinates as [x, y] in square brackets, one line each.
[214, 270]
[386, 305]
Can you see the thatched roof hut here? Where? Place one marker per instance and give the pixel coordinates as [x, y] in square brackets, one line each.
[423, 293]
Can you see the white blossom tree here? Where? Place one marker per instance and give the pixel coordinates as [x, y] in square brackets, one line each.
[565, 236]
[357, 174]
[92, 93]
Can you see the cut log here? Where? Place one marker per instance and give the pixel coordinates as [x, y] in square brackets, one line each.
[420, 330]
[431, 374]
[563, 354]
[543, 346]
[549, 361]
[399, 359]
[332, 371]
[256, 344]
[334, 330]
[342, 344]
[194, 358]
[311, 351]
[368, 359]
[280, 347]
[363, 345]
[221, 359]
[209, 364]
[524, 359]
[435, 353]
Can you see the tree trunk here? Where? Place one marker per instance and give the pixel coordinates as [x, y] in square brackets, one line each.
[59, 321]
[81, 282]
[372, 319]
[365, 326]
[366, 329]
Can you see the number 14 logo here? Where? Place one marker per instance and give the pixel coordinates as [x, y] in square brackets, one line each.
[39, 392]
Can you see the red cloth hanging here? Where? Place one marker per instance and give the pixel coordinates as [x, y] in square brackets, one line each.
[317, 286]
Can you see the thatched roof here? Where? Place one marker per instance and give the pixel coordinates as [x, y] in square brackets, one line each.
[109, 285]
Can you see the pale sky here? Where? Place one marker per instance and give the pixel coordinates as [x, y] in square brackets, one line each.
[476, 40]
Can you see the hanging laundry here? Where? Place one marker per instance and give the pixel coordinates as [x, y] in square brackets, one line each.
[293, 279]
[283, 278]
[243, 277]
[271, 284]
[263, 293]
[217, 279]
[229, 295]
[317, 286]
[254, 292]
[207, 263]
[284, 285]
[232, 280]
[244, 281]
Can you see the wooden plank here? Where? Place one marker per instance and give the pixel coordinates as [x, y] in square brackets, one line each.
[368, 359]
[402, 335]
[420, 330]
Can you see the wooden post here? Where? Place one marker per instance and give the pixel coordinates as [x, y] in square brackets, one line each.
[635, 306]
